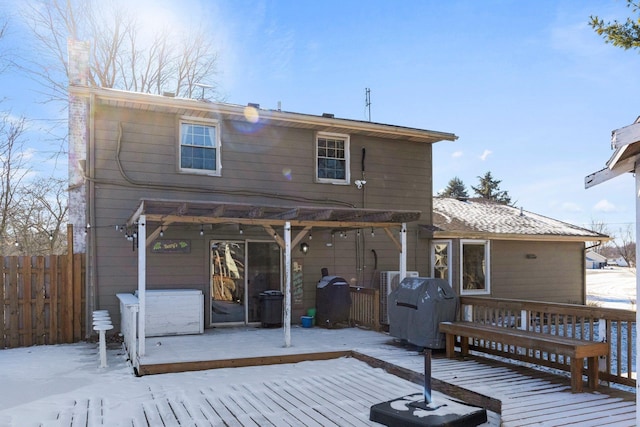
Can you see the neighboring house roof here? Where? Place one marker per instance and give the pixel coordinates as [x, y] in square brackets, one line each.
[481, 218]
[202, 108]
[594, 256]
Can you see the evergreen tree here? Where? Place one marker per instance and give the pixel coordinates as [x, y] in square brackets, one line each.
[455, 188]
[489, 188]
[621, 34]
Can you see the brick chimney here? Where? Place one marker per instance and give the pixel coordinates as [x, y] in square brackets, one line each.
[78, 66]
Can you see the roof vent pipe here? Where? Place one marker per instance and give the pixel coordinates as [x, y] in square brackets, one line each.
[328, 115]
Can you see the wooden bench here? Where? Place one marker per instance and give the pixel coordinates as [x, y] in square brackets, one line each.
[576, 349]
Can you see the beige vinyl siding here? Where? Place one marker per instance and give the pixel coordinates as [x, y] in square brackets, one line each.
[398, 175]
[396, 172]
[555, 275]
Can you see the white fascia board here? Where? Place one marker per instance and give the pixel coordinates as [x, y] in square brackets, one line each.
[625, 136]
[615, 169]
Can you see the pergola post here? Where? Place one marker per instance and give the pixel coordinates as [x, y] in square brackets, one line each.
[142, 283]
[287, 284]
[403, 252]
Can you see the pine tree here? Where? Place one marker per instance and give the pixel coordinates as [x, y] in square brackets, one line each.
[621, 34]
[489, 188]
[455, 188]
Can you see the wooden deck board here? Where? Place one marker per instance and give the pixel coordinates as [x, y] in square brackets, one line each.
[343, 397]
[580, 412]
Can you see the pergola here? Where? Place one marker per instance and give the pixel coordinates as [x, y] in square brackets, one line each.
[279, 222]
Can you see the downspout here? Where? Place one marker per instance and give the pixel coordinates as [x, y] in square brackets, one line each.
[584, 270]
[93, 300]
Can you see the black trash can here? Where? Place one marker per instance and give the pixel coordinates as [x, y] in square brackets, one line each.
[333, 302]
[271, 308]
[418, 306]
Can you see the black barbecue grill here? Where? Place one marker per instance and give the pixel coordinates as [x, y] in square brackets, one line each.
[333, 301]
[417, 307]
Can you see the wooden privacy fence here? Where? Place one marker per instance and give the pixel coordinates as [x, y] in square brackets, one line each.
[41, 300]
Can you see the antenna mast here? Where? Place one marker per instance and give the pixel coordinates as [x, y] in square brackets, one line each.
[367, 102]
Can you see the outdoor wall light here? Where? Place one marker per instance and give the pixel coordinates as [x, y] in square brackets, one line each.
[304, 247]
[202, 230]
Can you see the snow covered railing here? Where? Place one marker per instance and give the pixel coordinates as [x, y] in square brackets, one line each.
[590, 323]
[129, 307]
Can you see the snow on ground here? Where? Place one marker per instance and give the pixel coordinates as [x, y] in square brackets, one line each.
[35, 382]
[612, 287]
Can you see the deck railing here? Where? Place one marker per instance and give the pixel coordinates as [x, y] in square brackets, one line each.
[129, 308]
[365, 307]
[617, 327]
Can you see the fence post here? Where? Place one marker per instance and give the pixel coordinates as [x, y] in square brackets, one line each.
[602, 335]
[66, 293]
[3, 297]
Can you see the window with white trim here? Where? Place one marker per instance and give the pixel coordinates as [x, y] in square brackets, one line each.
[474, 267]
[441, 260]
[199, 146]
[332, 158]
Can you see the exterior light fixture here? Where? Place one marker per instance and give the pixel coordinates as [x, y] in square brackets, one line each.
[241, 231]
[161, 231]
[201, 230]
[304, 248]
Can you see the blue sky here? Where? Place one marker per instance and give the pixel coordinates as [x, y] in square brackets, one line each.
[532, 92]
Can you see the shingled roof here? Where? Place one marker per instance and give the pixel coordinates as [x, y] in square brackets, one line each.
[481, 218]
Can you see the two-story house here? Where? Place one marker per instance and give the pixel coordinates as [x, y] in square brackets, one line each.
[235, 199]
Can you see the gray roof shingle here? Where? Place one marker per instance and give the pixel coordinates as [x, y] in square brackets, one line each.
[481, 216]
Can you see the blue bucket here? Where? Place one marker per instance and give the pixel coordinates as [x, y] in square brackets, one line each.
[307, 321]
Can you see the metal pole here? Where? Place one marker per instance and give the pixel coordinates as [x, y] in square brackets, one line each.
[637, 173]
[427, 376]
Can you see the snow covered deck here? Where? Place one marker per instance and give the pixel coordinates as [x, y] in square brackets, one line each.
[522, 395]
[64, 385]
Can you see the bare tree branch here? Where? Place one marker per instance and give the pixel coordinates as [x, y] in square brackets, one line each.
[120, 57]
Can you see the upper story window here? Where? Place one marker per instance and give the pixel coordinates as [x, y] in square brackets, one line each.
[332, 158]
[199, 146]
[474, 267]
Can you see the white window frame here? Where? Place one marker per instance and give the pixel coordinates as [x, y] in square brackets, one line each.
[188, 120]
[449, 244]
[487, 268]
[346, 139]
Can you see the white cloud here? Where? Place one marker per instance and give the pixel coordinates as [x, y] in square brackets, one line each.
[570, 207]
[604, 206]
[485, 154]
[457, 154]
